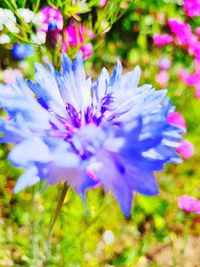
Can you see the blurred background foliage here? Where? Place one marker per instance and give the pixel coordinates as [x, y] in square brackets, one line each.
[158, 233]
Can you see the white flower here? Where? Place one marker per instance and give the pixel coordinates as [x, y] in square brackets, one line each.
[108, 237]
[9, 75]
[8, 19]
[12, 27]
[7, 15]
[39, 38]
[4, 39]
[26, 14]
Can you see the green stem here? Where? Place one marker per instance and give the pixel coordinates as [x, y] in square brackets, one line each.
[36, 6]
[57, 211]
[185, 239]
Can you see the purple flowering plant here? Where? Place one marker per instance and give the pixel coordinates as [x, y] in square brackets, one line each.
[110, 133]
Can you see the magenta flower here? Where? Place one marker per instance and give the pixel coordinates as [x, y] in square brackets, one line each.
[192, 79]
[186, 149]
[197, 93]
[185, 37]
[197, 31]
[75, 35]
[87, 50]
[189, 204]
[192, 7]
[183, 75]
[162, 39]
[189, 79]
[181, 30]
[176, 118]
[49, 18]
[197, 208]
[189, 42]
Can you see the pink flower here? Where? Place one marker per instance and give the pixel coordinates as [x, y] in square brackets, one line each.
[192, 7]
[102, 3]
[197, 66]
[164, 63]
[192, 79]
[181, 30]
[197, 93]
[183, 75]
[186, 149]
[189, 204]
[162, 78]
[197, 31]
[189, 79]
[176, 118]
[162, 39]
[197, 208]
[194, 48]
[74, 35]
[9, 76]
[185, 37]
[49, 17]
[87, 50]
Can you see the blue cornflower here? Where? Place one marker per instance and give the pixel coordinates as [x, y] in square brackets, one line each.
[52, 25]
[22, 51]
[110, 132]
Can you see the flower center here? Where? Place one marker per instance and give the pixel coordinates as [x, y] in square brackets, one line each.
[87, 140]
